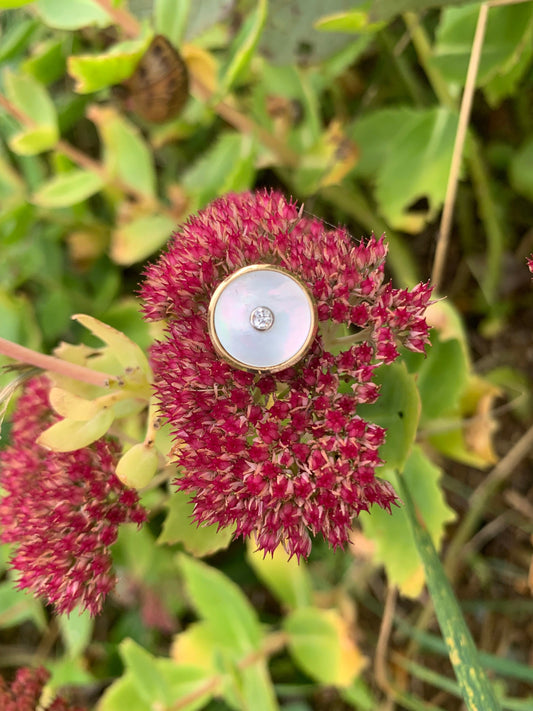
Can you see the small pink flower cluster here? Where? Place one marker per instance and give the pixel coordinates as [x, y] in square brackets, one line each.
[286, 455]
[61, 510]
[25, 692]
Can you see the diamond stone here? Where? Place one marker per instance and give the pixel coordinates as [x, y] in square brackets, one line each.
[262, 318]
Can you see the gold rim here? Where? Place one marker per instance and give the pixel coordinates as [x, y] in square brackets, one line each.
[234, 362]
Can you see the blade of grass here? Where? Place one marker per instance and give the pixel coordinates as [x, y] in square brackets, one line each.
[509, 668]
[476, 690]
[441, 682]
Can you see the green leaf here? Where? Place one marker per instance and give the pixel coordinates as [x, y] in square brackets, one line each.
[372, 134]
[521, 169]
[287, 580]
[76, 631]
[123, 694]
[170, 19]
[506, 82]
[150, 683]
[98, 71]
[476, 690]
[17, 607]
[397, 410]
[179, 527]
[509, 30]
[257, 689]
[32, 99]
[319, 644]
[417, 166]
[140, 238]
[47, 63]
[127, 155]
[8, 4]
[32, 141]
[180, 681]
[353, 21]
[243, 46]
[71, 15]
[17, 38]
[442, 377]
[395, 546]
[69, 435]
[128, 353]
[68, 189]
[223, 606]
[12, 186]
[227, 166]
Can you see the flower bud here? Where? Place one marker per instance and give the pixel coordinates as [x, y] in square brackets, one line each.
[137, 467]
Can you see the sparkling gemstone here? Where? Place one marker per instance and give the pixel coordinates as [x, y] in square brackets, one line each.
[262, 318]
[262, 338]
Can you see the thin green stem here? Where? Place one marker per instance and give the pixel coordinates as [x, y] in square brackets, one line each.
[425, 53]
[490, 219]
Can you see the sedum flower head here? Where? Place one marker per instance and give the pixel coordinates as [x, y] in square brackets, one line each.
[24, 693]
[61, 510]
[279, 456]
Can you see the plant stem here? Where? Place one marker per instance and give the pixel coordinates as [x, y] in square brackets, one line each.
[121, 17]
[453, 177]
[55, 365]
[477, 170]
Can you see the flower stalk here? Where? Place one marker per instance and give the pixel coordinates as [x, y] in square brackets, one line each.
[56, 365]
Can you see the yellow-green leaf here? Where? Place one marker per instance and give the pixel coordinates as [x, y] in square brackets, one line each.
[180, 527]
[128, 353]
[68, 435]
[30, 97]
[320, 644]
[68, 189]
[395, 546]
[8, 4]
[244, 46]
[355, 21]
[71, 14]
[32, 141]
[288, 580]
[140, 238]
[223, 605]
[127, 156]
[98, 71]
[72, 406]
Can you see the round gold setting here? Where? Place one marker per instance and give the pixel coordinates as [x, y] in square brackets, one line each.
[262, 319]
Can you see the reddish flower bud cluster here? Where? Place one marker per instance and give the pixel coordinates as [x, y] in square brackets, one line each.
[24, 692]
[278, 456]
[61, 510]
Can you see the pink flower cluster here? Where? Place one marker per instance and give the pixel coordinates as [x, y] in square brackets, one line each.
[61, 510]
[283, 456]
[25, 692]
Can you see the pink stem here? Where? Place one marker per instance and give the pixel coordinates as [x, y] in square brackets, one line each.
[56, 365]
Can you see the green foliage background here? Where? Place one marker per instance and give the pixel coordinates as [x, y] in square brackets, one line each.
[352, 108]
